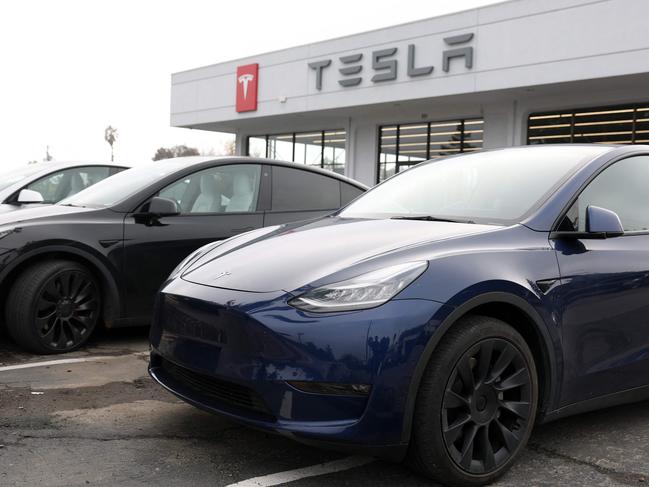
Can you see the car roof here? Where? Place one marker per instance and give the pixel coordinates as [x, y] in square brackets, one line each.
[192, 161]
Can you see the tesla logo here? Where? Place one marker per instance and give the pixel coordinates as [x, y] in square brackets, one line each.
[244, 79]
[384, 63]
[247, 81]
[222, 274]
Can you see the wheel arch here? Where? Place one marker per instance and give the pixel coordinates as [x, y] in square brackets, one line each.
[516, 312]
[111, 310]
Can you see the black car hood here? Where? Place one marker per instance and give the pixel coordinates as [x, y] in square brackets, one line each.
[25, 215]
[289, 258]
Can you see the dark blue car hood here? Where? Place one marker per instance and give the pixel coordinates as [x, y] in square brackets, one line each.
[287, 258]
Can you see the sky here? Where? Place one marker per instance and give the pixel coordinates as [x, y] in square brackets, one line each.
[70, 68]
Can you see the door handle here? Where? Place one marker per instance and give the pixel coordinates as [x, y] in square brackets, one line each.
[237, 231]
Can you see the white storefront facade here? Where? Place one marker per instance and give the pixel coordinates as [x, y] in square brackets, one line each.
[374, 103]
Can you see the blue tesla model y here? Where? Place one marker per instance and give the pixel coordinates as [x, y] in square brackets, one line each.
[435, 318]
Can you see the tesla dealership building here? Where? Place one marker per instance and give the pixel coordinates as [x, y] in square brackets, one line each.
[371, 104]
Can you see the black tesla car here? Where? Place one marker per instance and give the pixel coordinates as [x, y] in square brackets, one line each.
[103, 253]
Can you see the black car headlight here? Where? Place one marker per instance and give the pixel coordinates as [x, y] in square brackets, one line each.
[361, 292]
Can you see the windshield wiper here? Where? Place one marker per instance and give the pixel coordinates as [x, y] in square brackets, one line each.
[430, 218]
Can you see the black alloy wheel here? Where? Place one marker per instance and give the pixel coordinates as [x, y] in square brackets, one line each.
[53, 307]
[486, 406]
[476, 404]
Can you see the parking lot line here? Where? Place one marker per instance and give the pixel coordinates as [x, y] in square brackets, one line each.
[301, 473]
[65, 361]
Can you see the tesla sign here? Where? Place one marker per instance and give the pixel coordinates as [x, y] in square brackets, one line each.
[247, 82]
[384, 63]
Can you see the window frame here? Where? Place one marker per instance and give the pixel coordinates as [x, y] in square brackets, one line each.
[429, 124]
[572, 113]
[323, 134]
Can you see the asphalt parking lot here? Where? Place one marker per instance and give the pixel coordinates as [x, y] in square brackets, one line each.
[97, 419]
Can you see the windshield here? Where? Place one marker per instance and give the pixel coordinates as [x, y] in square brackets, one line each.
[498, 187]
[16, 175]
[119, 187]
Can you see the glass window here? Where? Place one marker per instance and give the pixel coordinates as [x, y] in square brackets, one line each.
[403, 146]
[60, 185]
[295, 190]
[621, 188]
[257, 146]
[221, 189]
[334, 151]
[323, 148]
[280, 147]
[348, 193]
[486, 187]
[621, 124]
[125, 184]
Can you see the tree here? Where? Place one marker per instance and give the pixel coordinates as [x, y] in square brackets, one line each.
[110, 134]
[175, 151]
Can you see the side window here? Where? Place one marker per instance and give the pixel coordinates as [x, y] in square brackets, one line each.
[348, 193]
[622, 188]
[55, 187]
[221, 189]
[295, 190]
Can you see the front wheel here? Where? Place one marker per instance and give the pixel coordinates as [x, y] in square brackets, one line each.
[53, 307]
[476, 404]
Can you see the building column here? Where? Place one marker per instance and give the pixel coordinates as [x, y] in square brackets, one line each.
[501, 127]
[240, 144]
[361, 153]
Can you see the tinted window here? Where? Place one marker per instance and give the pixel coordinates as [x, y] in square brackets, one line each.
[295, 190]
[55, 187]
[221, 189]
[489, 187]
[622, 188]
[349, 193]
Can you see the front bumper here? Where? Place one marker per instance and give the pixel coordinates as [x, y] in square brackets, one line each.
[232, 353]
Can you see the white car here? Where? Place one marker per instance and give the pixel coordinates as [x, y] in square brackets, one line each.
[50, 182]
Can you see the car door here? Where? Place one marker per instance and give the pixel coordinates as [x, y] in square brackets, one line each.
[215, 204]
[603, 298]
[299, 194]
[67, 182]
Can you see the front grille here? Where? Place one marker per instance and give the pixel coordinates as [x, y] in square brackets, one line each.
[222, 391]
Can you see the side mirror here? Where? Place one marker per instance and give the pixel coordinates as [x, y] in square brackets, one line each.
[163, 207]
[600, 223]
[603, 221]
[27, 196]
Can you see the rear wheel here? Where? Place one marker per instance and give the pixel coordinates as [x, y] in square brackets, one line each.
[53, 307]
[476, 404]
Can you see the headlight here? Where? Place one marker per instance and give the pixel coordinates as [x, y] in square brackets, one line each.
[362, 292]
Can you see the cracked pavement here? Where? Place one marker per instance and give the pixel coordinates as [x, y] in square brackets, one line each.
[106, 423]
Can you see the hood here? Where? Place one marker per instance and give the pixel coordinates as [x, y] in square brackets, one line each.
[5, 208]
[289, 258]
[8, 217]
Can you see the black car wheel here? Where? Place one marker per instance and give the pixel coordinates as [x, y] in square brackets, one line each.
[53, 307]
[476, 404]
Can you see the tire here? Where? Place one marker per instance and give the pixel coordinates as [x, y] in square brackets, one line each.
[472, 416]
[53, 307]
